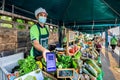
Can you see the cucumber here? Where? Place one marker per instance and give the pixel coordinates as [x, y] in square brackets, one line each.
[94, 65]
[91, 69]
[86, 72]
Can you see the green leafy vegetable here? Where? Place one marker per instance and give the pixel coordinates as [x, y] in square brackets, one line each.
[27, 65]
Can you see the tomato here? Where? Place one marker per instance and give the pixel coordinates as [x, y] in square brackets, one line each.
[72, 50]
[75, 48]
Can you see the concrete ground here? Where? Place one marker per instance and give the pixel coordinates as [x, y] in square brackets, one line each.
[109, 64]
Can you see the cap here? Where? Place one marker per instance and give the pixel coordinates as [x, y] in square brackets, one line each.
[39, 10]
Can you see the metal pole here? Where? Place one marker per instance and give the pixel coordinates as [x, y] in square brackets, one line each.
[106, 41]
[3, 5]
[12, 10]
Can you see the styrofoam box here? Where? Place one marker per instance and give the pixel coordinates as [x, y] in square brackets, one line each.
[37, 74]
[8, 63]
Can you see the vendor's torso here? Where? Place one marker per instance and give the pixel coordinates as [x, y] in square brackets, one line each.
[43, 35]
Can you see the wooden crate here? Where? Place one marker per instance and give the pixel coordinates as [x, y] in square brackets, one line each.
[23, 49]
[14, 39]
[48, 75]
[9, 46]
[9, 39]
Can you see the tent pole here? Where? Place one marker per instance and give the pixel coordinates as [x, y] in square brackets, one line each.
[106, 41]
[119, 49]
[12, 11]
[60, 34]
[92, 33]
[3, 5]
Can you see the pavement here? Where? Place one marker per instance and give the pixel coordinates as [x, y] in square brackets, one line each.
[116, 54]
[108, 75]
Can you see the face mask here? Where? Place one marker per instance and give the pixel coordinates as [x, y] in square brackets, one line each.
[42, 19]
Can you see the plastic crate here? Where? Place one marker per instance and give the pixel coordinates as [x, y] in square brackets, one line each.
[8, 63]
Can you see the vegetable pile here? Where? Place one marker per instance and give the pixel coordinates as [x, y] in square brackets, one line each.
[27, 65]
[65, 62]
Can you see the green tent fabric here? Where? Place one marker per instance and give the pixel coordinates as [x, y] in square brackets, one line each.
[71, 12]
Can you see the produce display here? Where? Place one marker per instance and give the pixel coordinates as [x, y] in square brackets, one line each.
[73, 50]
[82, 57]
[6, 18]
[63, 61]
[6, 25]
[84, 62]
[31, 23]
[20, 22]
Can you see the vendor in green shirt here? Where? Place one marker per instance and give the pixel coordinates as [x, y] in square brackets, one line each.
[39, 35]
[113, 42]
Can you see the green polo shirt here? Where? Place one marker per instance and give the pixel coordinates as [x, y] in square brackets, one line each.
[34, 34]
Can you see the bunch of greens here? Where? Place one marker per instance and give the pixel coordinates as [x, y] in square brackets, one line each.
[64, 61]
[27, 65]
[43, 62]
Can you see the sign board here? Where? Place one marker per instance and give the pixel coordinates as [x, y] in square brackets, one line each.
[71, 36]
[75, 76]
[65, 73]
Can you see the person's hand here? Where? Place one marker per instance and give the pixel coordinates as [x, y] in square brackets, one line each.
[38, 58]
[44, 53]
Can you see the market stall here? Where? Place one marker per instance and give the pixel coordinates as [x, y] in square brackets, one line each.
[74, 59]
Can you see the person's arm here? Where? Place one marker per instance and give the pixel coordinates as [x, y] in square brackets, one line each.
[40, 48]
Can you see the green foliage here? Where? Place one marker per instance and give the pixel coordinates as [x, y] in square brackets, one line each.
[64, 61]
[47, 78]
[27, 65]
[21, 27]
[43, 62]
[78, 55]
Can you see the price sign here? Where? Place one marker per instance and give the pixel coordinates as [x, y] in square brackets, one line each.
[65, 73]
[71, 36]
[75, 76]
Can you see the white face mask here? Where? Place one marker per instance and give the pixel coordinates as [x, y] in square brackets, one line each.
[42, 19]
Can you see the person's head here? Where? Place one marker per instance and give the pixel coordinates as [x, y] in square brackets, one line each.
[113, 35]
[41, 15]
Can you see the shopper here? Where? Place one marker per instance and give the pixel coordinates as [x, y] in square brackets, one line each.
[39, 34]
[98, 46]
[113, 42]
